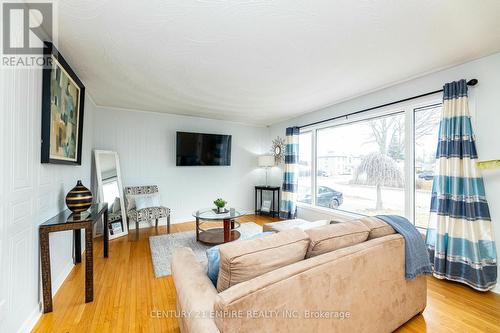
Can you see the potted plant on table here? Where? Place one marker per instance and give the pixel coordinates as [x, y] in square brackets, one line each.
[220, 203]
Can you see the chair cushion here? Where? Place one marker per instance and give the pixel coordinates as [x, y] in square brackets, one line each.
[130, 200]
[290, 224]
[244, 260]
[148, 214]
[335, 236]
[147, 201]
[378, 228]
[131, 192]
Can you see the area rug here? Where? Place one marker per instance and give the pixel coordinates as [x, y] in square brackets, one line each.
[163, 246]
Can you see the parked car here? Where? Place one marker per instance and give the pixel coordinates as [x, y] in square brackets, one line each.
[322, 173]
[426, 175]
[327, 197]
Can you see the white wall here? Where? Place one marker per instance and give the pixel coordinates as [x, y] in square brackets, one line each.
[146, 145]
[30, 193]
[484, 100]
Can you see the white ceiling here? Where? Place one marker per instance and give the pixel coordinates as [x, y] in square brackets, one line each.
[261, 61]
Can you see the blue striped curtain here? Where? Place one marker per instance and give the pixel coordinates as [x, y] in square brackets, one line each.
[290, 174]
[460, 234]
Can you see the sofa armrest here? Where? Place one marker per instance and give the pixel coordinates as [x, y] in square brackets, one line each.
[195, 293]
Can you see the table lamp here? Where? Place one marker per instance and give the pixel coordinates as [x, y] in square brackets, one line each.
[266, 161]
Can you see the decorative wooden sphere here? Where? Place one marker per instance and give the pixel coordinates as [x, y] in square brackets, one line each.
[79, 199]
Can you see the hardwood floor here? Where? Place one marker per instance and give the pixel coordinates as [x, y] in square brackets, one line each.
[126, 292]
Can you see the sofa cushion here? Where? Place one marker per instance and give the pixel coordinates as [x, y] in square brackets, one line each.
[378, 228]
[213, 258]
[335, 236]
[244, 260]
[213, 261]
[290, 224]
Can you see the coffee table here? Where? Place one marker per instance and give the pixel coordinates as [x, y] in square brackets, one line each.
[217, 235]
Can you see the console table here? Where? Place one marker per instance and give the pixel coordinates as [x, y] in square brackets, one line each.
[260, 189]
[70, 221]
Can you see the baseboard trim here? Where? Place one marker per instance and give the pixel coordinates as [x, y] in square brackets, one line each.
[161, 222]
[35, 315]
[62, 277]
[2, 309]
[31, 321]
[496, 290]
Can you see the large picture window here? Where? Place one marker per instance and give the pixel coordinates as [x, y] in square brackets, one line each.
[380, 163]
[360, 166]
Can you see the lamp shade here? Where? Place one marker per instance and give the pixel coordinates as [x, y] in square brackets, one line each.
[266, 161]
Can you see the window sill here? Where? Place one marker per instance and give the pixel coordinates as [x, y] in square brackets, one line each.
[334, 212]
[343, 214]
[422, 231]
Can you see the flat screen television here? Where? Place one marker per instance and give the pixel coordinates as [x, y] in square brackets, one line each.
[195, 149]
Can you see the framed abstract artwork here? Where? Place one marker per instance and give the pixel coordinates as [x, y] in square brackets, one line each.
[63, 98]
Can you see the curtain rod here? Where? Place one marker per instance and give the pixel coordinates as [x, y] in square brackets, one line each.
[472, 83]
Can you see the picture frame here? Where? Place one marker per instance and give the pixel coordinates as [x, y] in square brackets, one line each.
[266, 206]
[63, 97]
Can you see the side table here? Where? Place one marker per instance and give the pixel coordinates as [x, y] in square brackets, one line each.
[273, 189]
[69, 221]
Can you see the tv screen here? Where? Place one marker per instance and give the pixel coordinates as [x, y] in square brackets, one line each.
[203, 149]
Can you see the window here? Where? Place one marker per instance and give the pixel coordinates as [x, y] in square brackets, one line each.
[360, 166]
[377, 163]
[305, 166]
[426, 139]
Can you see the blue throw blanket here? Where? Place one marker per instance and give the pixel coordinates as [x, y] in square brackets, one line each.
[416, 257]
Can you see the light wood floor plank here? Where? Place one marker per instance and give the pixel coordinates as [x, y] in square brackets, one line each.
[126, 292]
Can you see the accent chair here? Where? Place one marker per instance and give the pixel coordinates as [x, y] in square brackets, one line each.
[146, 214]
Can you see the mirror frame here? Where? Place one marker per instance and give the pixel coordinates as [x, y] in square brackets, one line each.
[100, 193]
[278, 149]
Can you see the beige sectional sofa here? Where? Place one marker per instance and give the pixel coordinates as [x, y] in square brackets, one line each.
[347, 277]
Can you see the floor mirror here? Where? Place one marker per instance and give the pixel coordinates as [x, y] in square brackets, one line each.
[110, 190]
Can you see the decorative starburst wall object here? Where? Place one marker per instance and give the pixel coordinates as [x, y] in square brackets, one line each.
[278, 150]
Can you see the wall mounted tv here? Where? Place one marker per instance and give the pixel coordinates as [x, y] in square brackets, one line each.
[195, 149]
